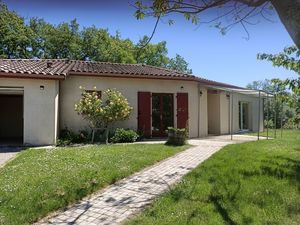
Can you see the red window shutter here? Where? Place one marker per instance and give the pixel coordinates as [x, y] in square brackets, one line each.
[144, 113]
[182, 110]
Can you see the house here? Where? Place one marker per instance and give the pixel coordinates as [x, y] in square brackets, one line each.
[37, 99]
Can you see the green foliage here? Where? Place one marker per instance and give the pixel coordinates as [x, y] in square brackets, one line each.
[124, 136]
[101, 113]
[16, 38]
[155, 55]
[265, 85]
[40, 181]
[249, 183]
[269, 123]
[293, 123]
[68, 137]
[40, 39]
[289, 59]
[179, 64]
[285, 104]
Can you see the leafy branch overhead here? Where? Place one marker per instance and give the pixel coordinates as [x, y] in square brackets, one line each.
[37, 38]
[228, 13]
[289, 59]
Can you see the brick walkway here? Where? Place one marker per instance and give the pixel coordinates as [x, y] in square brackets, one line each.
[124, 199]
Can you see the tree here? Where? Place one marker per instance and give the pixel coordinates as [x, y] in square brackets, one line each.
[40, 39]
[103, 113]
[15, 37]
[151, 54]
[284, 104]
[289, 59]
[232, 12]
[99, 45]
[179, 64]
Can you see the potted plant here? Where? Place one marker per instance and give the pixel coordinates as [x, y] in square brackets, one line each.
[177, 136]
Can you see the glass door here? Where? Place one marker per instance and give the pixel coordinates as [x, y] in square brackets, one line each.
[162, 113]
[243, 115]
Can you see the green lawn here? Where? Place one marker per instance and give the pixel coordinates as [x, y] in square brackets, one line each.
[40, 181]
[249, 183]
[272, 133]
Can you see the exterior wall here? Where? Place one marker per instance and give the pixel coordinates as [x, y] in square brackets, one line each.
[253, 111]
[39, 109]
[70, 94]
[224, 113]
[219, 112]
[203, 123]
[213, 108]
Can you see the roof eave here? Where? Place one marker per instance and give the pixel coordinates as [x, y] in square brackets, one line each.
[31, 76]
[135, 76]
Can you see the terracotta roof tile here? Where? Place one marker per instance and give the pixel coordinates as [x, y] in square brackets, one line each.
[60, 68]
[64, 67]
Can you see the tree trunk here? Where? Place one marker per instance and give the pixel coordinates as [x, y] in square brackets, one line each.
[289, 14]
[106, 135]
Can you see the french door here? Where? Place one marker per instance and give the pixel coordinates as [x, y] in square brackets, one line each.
[243, 115]
[162, 113]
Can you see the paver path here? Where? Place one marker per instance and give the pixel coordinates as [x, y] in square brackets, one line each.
[129, 196]
[7, 153]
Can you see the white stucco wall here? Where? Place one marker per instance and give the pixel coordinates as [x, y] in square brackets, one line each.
[214, 113]
[70, 94]
[203, 123]
[253, 111]
[40, 109]
[219, 112]
[225, 113]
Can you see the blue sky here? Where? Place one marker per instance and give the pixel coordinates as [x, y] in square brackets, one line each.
[226, 58]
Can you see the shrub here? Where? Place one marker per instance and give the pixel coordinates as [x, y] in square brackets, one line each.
[269, 124]
[177, 136]
[293, 123]
[124, 136]
[68, 137]
[101, 113]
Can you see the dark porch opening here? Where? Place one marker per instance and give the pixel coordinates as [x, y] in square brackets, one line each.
[11, 119]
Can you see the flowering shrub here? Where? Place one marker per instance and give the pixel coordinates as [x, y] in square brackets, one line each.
[102, 113]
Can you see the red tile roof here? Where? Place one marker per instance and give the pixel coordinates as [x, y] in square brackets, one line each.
[60, 68]
[64, 67]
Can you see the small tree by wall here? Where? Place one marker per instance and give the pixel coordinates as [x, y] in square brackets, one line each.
[102, 112]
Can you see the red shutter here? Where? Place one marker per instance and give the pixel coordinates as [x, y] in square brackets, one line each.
[144, 113]
[182, 110]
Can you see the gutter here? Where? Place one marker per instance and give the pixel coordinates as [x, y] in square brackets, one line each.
[31, 76]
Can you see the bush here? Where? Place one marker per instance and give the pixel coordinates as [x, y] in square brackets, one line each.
[124, 136]
[68, 137]
[103, 112]
[269, 124]
[293, 123]
[177, 136]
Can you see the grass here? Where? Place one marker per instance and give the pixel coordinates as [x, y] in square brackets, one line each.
[40, 181]
[249, 183]
[272, 133]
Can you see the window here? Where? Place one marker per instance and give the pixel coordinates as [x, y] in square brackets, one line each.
[243, 115]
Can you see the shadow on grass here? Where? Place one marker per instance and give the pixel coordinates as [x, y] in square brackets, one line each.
[221, 210]
[225, 189]
[278, 167]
